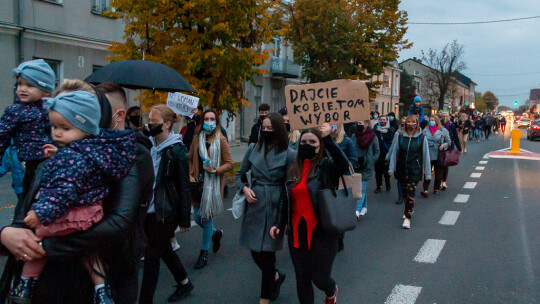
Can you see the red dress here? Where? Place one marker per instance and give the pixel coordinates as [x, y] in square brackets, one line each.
[302, 207]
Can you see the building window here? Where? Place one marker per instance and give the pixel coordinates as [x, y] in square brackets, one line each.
[388, 107]
[275, 97]
[54, 1]
[277, 47]
[416, 85]
[416, 72]
[386, 83]
[100, 6]
[56, 66]
[95, 68]
[257, 96]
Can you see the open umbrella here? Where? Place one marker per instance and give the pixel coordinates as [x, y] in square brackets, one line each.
[141, 74]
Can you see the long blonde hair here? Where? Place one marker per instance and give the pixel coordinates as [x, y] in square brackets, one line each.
[438, 122]
[340, 134]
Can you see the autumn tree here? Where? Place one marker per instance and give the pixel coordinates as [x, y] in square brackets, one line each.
[353, 39]
[479, 102]
[491, 100]
[445, 65]
[214, 44]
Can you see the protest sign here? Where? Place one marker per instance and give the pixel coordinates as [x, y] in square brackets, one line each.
[333, 102]
[183, 104]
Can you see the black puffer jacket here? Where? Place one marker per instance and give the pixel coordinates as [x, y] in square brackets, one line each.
[327, 175]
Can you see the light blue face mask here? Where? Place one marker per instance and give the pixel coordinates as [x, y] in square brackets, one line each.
[209, 126]
[391, 118]
[432, 123]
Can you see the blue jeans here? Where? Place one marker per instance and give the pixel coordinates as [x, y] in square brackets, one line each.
[478, 133]
[208, 228]
[400, 193]
[362, 203]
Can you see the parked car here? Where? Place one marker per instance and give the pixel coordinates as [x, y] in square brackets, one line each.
[524, 122]
[534, 130]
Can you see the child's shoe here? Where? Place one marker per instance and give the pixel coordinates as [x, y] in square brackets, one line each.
[22, 294]
[103, 295]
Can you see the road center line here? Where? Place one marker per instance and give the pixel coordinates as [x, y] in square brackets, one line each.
[480, 168]
[430, 251]
[461, 198]
[449, 218]
[403, 294]
[476, 175]
[483, 162]
[469, 185]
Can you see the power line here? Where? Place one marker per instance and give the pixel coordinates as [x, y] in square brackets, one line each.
[511, 95]
[473, 22]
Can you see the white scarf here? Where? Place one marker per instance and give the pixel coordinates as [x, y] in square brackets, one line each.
[384, 129]
[211, 204]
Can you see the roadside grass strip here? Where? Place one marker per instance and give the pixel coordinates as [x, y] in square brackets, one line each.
[476, 175]
[449, 218]
[403, 294]
[469, 185]
[461, 198]
[429, 253]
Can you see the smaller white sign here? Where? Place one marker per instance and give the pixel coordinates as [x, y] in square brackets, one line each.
[183, 104]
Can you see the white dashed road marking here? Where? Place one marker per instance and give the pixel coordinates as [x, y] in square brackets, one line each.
[430, 251]
[403, 294]
[469, 185]
[476, 175]
[449, 218]
[461, 198]
[483, 162]
[480, 168]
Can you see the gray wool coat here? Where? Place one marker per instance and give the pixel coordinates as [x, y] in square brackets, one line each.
[441, 136]
[370, 155]
[268, 177]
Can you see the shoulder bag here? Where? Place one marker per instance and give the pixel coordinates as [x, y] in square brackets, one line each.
[336, 209]
[354, 180]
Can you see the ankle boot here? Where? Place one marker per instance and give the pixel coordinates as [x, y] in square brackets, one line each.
[203, 259]
[399, 200]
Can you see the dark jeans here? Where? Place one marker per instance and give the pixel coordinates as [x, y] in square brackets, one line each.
[159, 247]
[488, 131]
[313, 264]
[266, 261]
[127, 287]
[409, 189]
[29, 173]
[437, 175]
[381, 169]
[444, 175]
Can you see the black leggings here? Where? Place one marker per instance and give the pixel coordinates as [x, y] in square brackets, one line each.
[381, 169]
[437, 175]
[313, 264]
[266, 261]
[159, 247]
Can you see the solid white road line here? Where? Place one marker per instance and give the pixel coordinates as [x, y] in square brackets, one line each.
[403, 294]
[449, 218]
[483, 162]
[476, 175]
[430, 251]
[461, 198]
[469, 185]
[480, 168]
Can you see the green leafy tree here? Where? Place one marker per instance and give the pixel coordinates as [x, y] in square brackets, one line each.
[479, 103]
[406, 91]
[491, 101]
[335, 39]
[214, 44]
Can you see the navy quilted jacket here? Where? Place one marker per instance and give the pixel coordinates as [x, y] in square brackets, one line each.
[80, 173]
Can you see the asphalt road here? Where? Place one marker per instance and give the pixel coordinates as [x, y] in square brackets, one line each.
[486, 252]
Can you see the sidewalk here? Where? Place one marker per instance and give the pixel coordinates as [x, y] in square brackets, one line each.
[238, 149]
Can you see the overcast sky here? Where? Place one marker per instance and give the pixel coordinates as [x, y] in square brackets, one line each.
[490, 49]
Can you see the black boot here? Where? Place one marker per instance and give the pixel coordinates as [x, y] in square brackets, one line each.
[203, 259]
[182, 290]
[279, 282]
[216, 240]
[22, 294]
[378, 190]
[399, 200]
[387, 185]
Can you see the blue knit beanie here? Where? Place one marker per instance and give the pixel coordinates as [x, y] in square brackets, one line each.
[417, 99]
[38, 73]
[80, 108]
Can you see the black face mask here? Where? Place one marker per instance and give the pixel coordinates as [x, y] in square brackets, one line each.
[306, 151]
[135, 120]
[267, 136]
[360, 128]
[288, 127]
[155, 130]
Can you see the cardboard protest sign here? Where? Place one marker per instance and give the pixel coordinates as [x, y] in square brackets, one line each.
[334, 102]
[183, 104]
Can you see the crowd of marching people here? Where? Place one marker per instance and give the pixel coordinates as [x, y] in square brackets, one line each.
[100, 187]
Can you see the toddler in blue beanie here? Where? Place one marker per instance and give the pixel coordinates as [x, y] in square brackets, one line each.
[27, 121]
[75, 180]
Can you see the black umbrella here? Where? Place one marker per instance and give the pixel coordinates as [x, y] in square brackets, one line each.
[141, 74]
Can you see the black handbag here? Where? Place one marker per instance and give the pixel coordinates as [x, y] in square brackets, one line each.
[337, 210]
[196, 189]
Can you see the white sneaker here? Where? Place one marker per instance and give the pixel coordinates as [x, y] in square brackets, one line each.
[357, 214]
[406, 224]
[363, 211]
[175, 246]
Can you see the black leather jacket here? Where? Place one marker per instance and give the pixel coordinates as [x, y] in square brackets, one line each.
[172, 198]
[327, 175]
